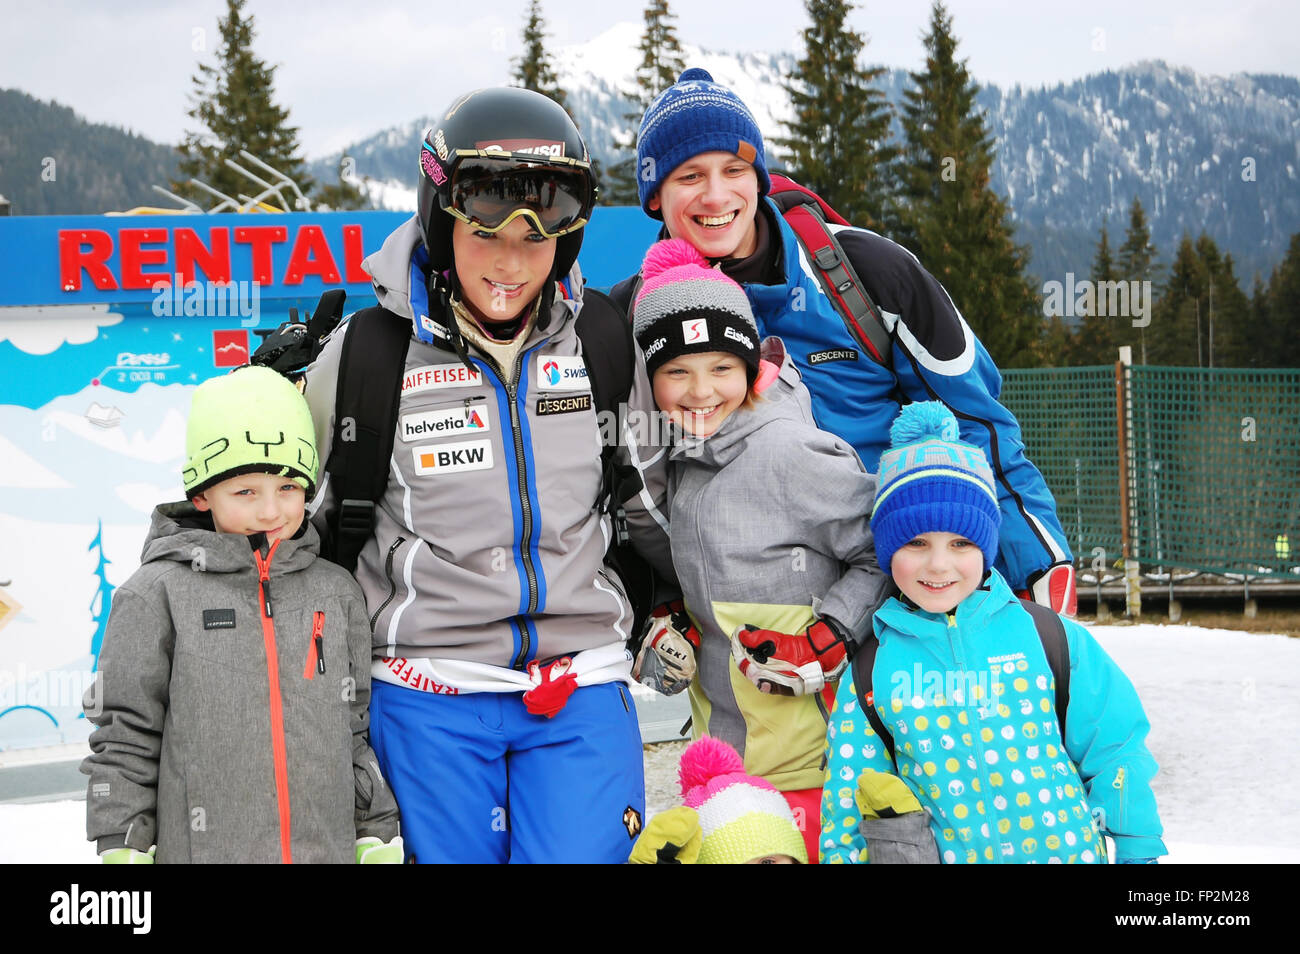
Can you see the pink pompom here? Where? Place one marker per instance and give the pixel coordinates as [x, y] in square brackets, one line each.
[705, 759]
[670, 253]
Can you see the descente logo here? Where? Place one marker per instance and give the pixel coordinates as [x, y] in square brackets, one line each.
[103, 907]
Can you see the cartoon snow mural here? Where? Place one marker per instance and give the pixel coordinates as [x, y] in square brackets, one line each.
[9, 607]
[102, 601]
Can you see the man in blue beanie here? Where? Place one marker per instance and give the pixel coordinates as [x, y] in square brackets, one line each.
[703, 173]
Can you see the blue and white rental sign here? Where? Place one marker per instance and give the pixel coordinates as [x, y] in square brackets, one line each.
[107, 323]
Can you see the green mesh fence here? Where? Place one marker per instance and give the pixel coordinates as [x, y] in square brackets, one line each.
[1067, 417]
[1213, 472]
[1217, 469]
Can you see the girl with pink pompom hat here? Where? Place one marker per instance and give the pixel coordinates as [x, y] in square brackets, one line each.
[769, 527]
[727, 817]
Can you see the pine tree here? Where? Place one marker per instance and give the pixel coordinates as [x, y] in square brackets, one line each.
[234, 105]
[1250, 348]
[838, 142]
[1282, 345]
[1232, 315]
[1098, 335]
[1174, 325]
[533, 70]
[949, 215]
[661, 64]
[1137, 258]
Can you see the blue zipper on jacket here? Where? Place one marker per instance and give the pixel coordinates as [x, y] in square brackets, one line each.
[532, 586]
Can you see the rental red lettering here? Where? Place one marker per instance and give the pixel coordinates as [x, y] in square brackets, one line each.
[311, 256]
[133, 257]
[192, 254]
[353, 255]
[261, 238]
[73, 258]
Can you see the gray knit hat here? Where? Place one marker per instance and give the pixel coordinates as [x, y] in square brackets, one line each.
[686, 307]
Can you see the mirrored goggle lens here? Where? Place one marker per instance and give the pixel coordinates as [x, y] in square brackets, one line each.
[559, 201]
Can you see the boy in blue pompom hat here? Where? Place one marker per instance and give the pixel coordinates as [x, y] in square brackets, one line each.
[962, 747]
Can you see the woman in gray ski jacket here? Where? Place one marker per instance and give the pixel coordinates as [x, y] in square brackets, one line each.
[501, 713]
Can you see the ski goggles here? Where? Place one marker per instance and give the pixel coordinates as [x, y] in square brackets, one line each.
[490, 193]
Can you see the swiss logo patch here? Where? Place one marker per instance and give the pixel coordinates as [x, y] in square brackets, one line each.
[559, 373]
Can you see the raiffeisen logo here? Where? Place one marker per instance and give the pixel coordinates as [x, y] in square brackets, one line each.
[552, 372]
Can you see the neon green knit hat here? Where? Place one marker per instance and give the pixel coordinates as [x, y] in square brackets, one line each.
[252, 421]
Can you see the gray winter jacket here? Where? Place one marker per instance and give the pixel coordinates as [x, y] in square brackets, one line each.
[488, 545]
[224, 735]
[771, 528]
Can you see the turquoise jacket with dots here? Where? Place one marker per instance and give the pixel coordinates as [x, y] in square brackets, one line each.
[970, 700]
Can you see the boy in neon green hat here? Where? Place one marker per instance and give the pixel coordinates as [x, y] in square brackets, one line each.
[234, 676]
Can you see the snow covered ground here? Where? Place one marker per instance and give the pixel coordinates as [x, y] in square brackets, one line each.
[1225, 714]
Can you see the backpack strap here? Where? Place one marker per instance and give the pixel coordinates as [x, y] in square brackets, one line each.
[625, 292]
[1051, 632]
[863, 664]
[807, 214]
[609, 352]
[365, 422]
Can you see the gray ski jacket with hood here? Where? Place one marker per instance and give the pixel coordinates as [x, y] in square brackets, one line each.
[771, 528]
[488, 549]
[224, 734]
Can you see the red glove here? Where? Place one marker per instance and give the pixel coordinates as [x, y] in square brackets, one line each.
[552, 686]
[791, 665]
[1054, 588]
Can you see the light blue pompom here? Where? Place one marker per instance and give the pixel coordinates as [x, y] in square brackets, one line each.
[924, 420]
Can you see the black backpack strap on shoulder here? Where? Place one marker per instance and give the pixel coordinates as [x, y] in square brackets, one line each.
[365, 422]
[1051, 632]
[607, 349]
[839, 281]
[624, 293]
[864, 661]
[609, 352]
[328, 314]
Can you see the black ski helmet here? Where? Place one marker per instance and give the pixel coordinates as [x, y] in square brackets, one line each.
[506, 126]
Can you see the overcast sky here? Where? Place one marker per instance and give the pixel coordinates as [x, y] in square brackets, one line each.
[345, 74]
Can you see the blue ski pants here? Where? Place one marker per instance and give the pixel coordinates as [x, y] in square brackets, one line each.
[479, 779]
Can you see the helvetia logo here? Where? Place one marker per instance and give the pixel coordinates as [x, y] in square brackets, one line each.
[424, 424]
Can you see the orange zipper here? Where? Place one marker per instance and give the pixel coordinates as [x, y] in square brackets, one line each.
[316, 650]
[278, 749]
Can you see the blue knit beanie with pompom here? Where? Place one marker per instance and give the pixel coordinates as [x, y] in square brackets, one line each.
[931, 481]
[692, 116]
